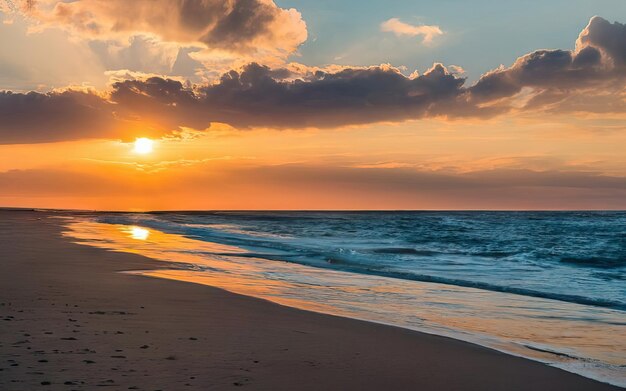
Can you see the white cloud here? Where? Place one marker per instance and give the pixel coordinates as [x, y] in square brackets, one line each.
[400, 29]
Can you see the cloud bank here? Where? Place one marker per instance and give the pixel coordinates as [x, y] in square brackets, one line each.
[590, 78]
[295, 186]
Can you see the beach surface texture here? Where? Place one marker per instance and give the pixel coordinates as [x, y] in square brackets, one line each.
[71, 321]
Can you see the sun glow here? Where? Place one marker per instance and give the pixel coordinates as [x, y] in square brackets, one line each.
[139, 233]
[143, 146]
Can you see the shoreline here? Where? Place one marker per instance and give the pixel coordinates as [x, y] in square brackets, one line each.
[170, 334]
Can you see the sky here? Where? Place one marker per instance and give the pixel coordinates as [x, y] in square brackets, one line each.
[291, 104]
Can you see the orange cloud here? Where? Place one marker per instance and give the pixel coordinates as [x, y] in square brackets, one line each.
[298, 186]
[219, 34]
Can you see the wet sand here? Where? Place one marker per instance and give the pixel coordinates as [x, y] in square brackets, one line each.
[70, 322]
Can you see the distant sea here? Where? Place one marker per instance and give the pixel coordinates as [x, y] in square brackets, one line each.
[550, 286]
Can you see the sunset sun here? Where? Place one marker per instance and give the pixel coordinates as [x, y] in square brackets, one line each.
[143, 146]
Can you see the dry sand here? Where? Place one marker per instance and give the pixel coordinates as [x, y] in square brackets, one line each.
[68, 321]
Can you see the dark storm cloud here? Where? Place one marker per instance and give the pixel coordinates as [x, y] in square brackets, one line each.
[544, 69]
[350, 96]
[256, 96]
[56, 116]
[599, 59]
[590, 78]
[608, 37]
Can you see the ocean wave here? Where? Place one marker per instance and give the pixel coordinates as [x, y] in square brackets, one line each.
[545, 255]
[403, 250]
[349, 265]
[599, 262]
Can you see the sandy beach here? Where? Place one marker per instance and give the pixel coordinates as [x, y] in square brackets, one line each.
[70, 321]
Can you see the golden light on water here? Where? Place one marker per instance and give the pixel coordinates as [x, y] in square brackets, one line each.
[139, 233]
[143, 146]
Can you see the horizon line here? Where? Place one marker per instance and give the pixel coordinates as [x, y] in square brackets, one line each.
[33, 209]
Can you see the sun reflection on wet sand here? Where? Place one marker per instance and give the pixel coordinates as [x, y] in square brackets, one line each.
[507, 322]
[139, 233]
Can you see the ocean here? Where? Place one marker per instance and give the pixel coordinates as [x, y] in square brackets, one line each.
[550, 286]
